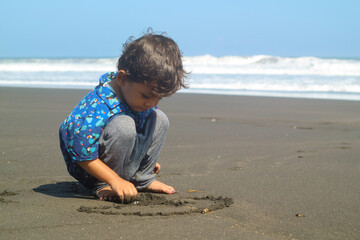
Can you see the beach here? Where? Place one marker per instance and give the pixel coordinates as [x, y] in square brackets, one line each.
[276, 168]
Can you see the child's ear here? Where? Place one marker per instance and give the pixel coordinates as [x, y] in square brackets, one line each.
[121, 77]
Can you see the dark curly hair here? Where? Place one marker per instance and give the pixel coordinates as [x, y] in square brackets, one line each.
[154, 60]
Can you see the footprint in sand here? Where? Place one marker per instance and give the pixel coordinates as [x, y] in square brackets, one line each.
[344, 145]
[4, 194]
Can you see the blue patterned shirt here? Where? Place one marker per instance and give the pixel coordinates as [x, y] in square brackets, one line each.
[81, 130]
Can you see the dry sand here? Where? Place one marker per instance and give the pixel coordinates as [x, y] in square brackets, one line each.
[285, 168]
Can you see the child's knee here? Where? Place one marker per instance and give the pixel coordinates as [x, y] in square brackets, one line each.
[121, 126]
[162, 119]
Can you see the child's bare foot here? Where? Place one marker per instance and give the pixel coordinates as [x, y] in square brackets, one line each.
[157, 186]
[107, 194]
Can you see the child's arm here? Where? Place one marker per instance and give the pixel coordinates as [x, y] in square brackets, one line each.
[97, 168]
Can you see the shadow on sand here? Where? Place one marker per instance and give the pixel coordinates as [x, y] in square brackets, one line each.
[64, 190]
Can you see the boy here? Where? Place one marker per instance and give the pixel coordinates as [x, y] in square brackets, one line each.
[112, 139]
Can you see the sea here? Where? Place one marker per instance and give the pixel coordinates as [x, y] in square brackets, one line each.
[260, 75]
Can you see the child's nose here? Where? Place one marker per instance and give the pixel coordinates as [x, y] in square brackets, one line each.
[152, 102]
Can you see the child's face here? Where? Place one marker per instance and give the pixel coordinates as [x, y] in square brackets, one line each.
[139, 97]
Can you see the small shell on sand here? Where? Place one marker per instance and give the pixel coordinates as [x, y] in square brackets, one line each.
[192, 190]
[206, 210]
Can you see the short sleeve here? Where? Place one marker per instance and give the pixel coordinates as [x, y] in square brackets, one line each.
[82, 138]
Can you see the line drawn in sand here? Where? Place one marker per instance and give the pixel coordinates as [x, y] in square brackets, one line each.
[150, 204]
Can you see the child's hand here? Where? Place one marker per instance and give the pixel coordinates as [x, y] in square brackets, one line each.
[125, 190]
[119, 187]
[157, 168]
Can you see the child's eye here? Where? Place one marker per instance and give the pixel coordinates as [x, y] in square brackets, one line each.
[145, 96]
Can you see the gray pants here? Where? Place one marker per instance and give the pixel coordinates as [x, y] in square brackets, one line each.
[130, 154]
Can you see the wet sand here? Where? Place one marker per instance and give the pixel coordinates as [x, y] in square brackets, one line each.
[265, 168]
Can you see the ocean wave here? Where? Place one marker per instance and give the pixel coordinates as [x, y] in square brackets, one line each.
[259, 64]
[214, 82]
[257, 75]
[271, 65]
[59, 65]
[46, 84]
[311, 83]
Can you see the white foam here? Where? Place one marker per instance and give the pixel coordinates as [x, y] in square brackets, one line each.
[270, 65]
[259, 64]
[279, 87]
[20, 83]
[276, 83]
[312, 95]
[58, 65]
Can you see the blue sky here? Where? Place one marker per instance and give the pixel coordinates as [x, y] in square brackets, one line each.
[87, 28]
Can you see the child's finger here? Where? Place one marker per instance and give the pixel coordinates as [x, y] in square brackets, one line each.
[157, 168]
[127, 199]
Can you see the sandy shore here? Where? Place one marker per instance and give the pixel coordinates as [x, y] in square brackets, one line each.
[290, 166]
